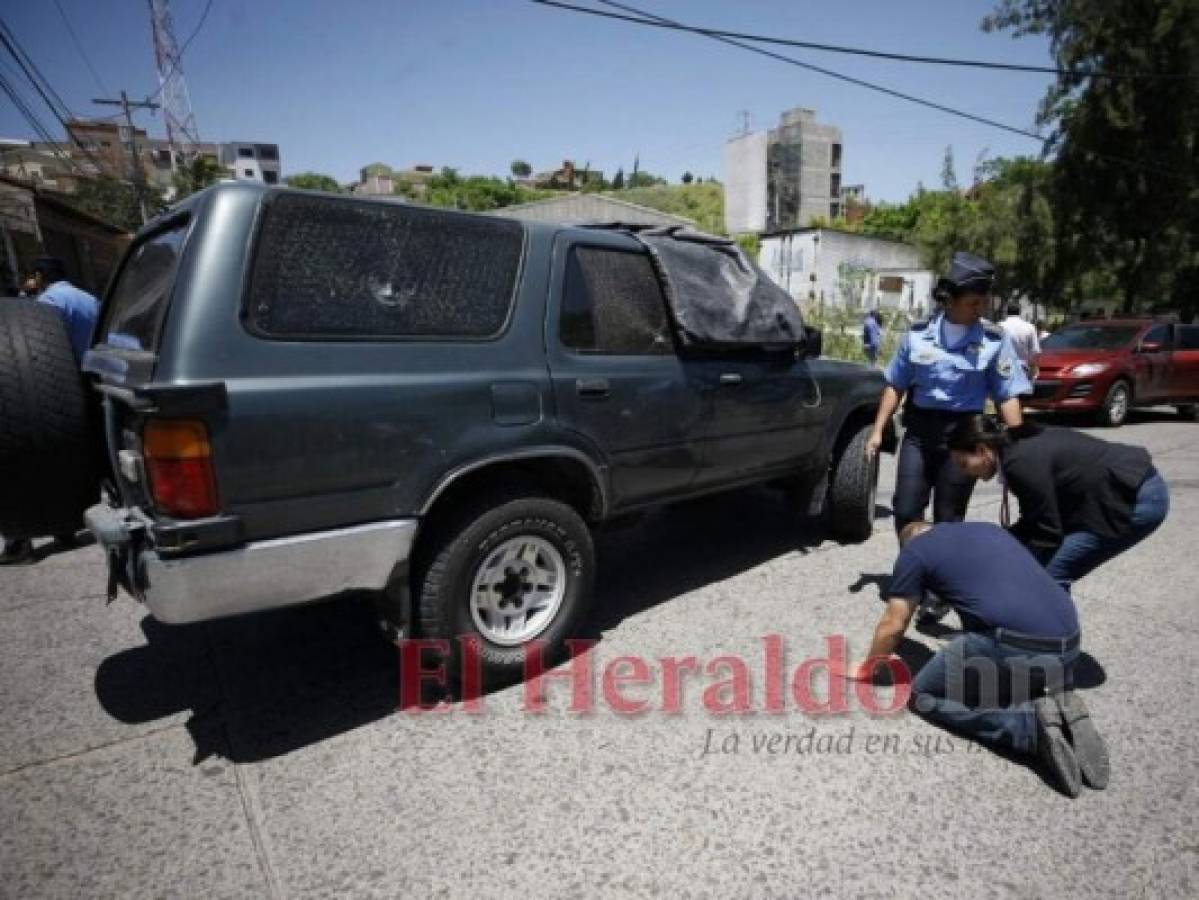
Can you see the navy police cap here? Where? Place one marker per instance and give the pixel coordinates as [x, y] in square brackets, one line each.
[972, 272]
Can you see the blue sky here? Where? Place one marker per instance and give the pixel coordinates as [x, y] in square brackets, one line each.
[475, 84]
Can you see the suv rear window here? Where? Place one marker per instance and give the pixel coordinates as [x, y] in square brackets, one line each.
[138, 304]
[332, 267]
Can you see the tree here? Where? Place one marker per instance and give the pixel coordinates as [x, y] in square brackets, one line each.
[314, 181]
[618, 180]
[1126, 165]
[374, 170]
[688, 178]
[116, 201]
[520, 169]
[201, 172]
[644, 179]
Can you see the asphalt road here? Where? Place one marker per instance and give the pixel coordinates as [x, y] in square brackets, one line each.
[264, 757]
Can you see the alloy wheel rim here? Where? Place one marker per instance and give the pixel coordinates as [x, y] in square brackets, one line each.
[517, 590]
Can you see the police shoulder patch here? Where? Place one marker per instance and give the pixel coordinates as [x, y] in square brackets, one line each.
[1004, 366]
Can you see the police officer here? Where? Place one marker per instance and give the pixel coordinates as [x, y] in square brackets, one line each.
[947, 367]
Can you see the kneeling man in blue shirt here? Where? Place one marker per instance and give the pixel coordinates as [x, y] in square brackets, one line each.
[1008, 680]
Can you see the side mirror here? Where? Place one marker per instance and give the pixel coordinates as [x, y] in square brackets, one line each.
[1151, 346]
[813, 345]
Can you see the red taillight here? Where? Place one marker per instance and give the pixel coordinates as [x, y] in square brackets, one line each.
[179, 467]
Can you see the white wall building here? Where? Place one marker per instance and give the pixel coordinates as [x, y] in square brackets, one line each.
[852, 271]
[252, 162]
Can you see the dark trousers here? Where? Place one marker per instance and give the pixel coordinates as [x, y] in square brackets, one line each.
[926, 468]
[1081, 551]
[982, 687]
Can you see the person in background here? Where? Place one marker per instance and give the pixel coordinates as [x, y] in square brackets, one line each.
[1025, 339]
[1082, 500]
[78, 308]
[872, 336]
[79, 311]
[1008, 681]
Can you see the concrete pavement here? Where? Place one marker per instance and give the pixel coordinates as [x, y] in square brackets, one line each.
[263, 757]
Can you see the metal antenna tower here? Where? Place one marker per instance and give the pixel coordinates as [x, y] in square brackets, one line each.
[176, 103]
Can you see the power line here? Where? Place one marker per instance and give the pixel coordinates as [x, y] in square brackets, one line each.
[38, 128]
[658, 22]
[79, 46]
[43, 88]
[58, 106]
[651, 19]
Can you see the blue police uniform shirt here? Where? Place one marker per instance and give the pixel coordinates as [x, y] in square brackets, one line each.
[79, 311]
[957, 377]
[988, 577]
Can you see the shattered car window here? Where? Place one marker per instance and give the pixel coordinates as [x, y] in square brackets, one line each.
[334, 267]
[613, 303]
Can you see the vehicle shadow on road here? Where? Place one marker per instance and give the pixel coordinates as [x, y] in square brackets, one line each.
[263, 685]
[687, 546]
[258, 686]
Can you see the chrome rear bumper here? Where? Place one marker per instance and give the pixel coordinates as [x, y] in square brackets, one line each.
[263, 574]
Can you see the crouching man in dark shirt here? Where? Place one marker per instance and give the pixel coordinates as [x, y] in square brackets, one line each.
[1008, 680]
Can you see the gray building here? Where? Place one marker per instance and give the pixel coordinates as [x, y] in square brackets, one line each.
[582, 209]
[783, 178]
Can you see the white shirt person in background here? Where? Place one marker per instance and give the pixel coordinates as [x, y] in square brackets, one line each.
[1024, 339]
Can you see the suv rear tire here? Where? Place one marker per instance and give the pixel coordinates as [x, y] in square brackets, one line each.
[507, 572]
[1188, 411]
[1116, 404]
[852, 488]
[47, 446]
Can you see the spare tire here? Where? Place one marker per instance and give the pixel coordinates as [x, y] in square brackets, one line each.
[48, 471]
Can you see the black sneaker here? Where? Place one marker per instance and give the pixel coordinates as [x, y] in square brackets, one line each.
[1089, 747]
[1054, 749]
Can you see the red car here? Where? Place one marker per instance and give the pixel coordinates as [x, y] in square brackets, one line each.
[1107, 366]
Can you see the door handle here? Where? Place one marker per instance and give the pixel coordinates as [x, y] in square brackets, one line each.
[593, 388]
[731, 378]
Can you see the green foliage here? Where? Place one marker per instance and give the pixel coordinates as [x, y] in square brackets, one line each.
[1008, 217]
[644, 179]
[1126, 173]
[842, 331]
[201, 172]
[116, 201]
[618, 180]
[374, 170]
[314, 181]
[520, 169]
[688, 178]
[476, 193]
[704, 203]
[751, 244]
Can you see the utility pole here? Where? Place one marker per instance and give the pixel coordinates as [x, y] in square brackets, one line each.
[139, 174]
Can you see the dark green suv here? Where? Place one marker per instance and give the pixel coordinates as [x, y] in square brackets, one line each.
[307, 394]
